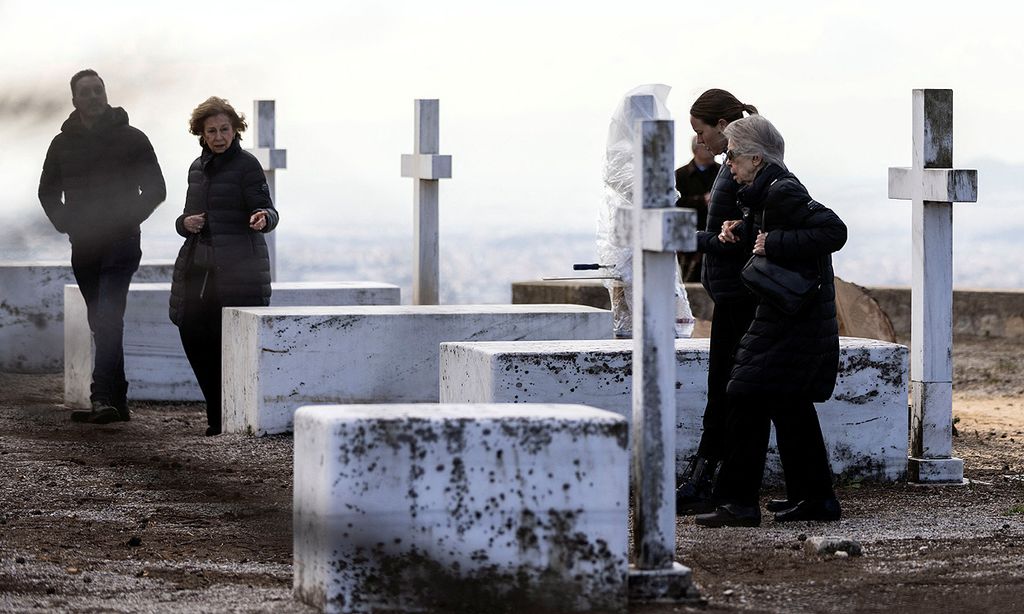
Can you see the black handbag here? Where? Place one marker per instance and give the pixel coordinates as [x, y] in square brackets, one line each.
[783, 288]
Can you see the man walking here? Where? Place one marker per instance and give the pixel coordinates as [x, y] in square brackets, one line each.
[100, 181]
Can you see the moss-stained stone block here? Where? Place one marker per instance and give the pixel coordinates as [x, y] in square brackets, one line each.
[471, 508]
[280, 358]
[865, 423]
[32, 311]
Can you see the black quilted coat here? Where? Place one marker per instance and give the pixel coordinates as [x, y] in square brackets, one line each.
[722, 262]
[794, 356]
[229, 187]
[99, 184]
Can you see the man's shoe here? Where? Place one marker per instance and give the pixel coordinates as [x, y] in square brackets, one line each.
[122, 410]
[693, 496]
[730, 515]
[779, 505]
[816, 510]
[212, 430]
[101, 413]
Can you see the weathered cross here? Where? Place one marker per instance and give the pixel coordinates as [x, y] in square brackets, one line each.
[271, 159]
[426, 166]
[659, 230]
[933, 185]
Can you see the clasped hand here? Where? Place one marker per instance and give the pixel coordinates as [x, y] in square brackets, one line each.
[728, 236]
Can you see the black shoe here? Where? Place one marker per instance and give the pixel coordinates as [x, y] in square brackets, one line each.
[817, 510]
[101, 413]
[693, 496]
[212, 430]
[122, 410]
[779, 505]
[731, 515]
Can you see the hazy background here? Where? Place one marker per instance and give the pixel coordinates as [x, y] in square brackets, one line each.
[526, 94]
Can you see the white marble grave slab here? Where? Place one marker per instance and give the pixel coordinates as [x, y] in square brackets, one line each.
[865, 423]
[32, 311]
[155, 363]
[453, 507]
[283, 357]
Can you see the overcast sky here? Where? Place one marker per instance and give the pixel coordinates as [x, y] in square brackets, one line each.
[526, 92]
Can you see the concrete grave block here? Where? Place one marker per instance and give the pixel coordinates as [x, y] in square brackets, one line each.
[458, 507]
[865, 423]
[32, 311]
[282, 357]
[155, 363]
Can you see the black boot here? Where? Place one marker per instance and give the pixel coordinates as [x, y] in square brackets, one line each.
[693, 496]
[731, 515]
[102, 412]
[816, 510]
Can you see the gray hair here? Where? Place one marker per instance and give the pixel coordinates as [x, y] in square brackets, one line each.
[755, 135]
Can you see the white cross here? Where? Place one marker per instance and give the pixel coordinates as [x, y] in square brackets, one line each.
[271, 159]
[933, 185]
[659, 229]
[426, 167]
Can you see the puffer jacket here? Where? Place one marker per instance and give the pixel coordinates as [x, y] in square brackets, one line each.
[794, 356]
[722, 262]
[108, 176]
[229, 188]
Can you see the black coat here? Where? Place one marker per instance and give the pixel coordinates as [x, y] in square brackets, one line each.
[99, 184]
[229, 187]
[794, 356]
[722, 262]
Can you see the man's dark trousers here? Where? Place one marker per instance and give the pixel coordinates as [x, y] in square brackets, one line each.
[103, 273]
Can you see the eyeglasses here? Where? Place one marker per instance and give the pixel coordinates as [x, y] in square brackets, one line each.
[732, 154]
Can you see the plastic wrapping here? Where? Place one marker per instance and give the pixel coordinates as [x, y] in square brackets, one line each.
[618, 195]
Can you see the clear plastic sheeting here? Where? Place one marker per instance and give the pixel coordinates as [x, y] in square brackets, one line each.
[618, 204]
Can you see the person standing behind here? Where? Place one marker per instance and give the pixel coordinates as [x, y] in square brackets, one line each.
[694, 183]
[224, 261]
[734, 304]
[100, 181]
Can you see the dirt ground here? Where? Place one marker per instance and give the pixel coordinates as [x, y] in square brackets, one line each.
[150, 516]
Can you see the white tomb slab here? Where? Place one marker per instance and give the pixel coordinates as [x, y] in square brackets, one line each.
[455, 507]
[865, 423]
[282, 357]
[32, 311]
[155, 363]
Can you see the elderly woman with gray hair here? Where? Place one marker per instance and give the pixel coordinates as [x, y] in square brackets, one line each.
[788, 359]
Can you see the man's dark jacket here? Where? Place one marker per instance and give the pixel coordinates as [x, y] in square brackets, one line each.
[693, 183]
[108, 175]
[791, 356]
[229, 188]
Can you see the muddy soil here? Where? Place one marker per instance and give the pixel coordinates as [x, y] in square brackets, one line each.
[150, 516]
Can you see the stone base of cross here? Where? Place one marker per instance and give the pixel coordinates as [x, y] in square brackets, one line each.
[426, 166]
[271, 159]
[658, 231]
[933, 185]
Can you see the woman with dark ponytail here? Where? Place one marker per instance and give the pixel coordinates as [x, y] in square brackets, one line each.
[734, 304]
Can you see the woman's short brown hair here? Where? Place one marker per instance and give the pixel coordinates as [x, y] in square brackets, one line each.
[211, 107]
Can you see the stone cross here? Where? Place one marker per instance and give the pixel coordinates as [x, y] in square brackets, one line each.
[426, 167]
[270, 158]
[659, 229]
[933, 185]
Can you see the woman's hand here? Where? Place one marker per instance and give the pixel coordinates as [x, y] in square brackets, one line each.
[258, 221]
[194, 223]
[759, 243]
[727, 236]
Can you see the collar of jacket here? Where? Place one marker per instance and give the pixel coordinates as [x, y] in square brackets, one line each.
[753, 194]
[212, 161]
[114, 116]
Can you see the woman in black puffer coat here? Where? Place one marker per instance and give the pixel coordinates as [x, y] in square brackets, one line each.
[224, 261]
[784, 363]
